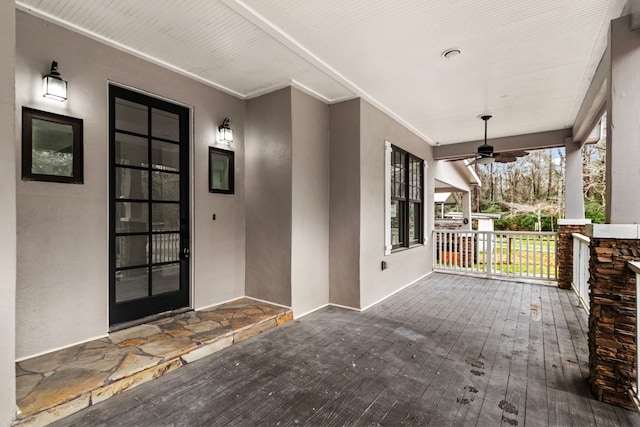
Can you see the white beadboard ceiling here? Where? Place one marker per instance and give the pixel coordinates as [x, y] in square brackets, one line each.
[528, 63]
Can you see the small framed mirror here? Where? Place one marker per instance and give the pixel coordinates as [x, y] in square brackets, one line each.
[221, 171]
[51, 147]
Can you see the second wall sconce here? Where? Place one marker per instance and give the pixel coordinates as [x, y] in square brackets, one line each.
[225, 133]
[54, 86]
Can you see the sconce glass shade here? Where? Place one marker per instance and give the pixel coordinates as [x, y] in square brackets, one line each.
[54, 86]
[225, 133]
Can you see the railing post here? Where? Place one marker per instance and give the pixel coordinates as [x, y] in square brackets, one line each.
[488, 253]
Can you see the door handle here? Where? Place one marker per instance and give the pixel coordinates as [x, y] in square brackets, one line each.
[185, 253]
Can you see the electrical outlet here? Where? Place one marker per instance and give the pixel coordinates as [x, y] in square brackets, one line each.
[383, 266]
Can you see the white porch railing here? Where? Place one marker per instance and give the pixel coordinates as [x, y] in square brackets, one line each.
[634, 393]
[530, 255]
[581, 255]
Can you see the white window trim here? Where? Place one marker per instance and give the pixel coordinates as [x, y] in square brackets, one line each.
[387, 198]
[424, 202]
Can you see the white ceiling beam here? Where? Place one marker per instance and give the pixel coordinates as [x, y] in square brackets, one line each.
[634, 11]
[594, 103]
[531, 141]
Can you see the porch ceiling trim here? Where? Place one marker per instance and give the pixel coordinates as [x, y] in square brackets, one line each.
[104, 40]
[277, 33]
[531, 141]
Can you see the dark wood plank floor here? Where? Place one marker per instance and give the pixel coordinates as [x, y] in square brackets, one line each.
[450, 350]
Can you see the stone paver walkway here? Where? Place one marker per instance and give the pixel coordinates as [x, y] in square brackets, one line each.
[58, 384]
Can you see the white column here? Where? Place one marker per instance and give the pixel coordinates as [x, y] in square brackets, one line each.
[574, 197]
[623, 125]
[466, 210]
[7, 213]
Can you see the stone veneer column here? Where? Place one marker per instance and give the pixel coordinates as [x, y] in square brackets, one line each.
[564, 248]
[612, 320]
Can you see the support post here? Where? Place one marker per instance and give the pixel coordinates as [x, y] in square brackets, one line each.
[8, 258]
[623, 126]
[466, 210]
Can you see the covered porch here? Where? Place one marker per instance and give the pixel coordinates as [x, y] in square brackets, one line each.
[383, 339]
[448, 350]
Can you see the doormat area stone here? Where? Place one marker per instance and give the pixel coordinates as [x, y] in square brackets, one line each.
[58, 384]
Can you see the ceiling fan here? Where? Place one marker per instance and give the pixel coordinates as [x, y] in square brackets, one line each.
[486, 155]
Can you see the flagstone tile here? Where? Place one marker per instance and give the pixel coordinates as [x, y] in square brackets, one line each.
[134, 363]
[53, 414]
[140, 331]
[20, 371]
[208, 349]
[203, 326]
[213, 335]
[60, 383]
[117, 387]
[178, 333]
[254, 330]
[284, 318]
[25, 384]
[106, 363]
[99, 343]
[50, 361]
[132, 342]
[162, 322]
[59, 388]
[158, 337]
[212, 315]
[240, 323]
[97, 352]
[168, 349]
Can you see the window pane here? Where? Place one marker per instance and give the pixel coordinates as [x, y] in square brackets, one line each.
[132, 217]
[131, 250]
[52, 148]
[397, 222]
[165, 125]
[131, 117]
[166, 247]
[165, 278]
[166, 156]
[219, 171]
[166, 217]
[131, 150]
[131, 184]
[132, 284]
[166, 186]
[414, 222]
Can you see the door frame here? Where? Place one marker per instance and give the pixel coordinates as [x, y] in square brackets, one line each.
[189, 194]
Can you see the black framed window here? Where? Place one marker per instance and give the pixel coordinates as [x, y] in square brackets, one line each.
[51, 147]
[406, 198]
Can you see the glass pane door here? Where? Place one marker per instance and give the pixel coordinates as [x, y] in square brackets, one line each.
[149, 227]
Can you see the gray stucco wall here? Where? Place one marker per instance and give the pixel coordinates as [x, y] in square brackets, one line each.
[310, 204]
[268, 148]
[344, 221]
[7, 215]
[62, 290]
[403, 267]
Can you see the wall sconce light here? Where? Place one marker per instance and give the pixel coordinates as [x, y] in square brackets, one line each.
[54, 86]
[225, 133]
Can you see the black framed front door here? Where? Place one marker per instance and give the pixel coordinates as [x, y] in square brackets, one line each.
[149, 205]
